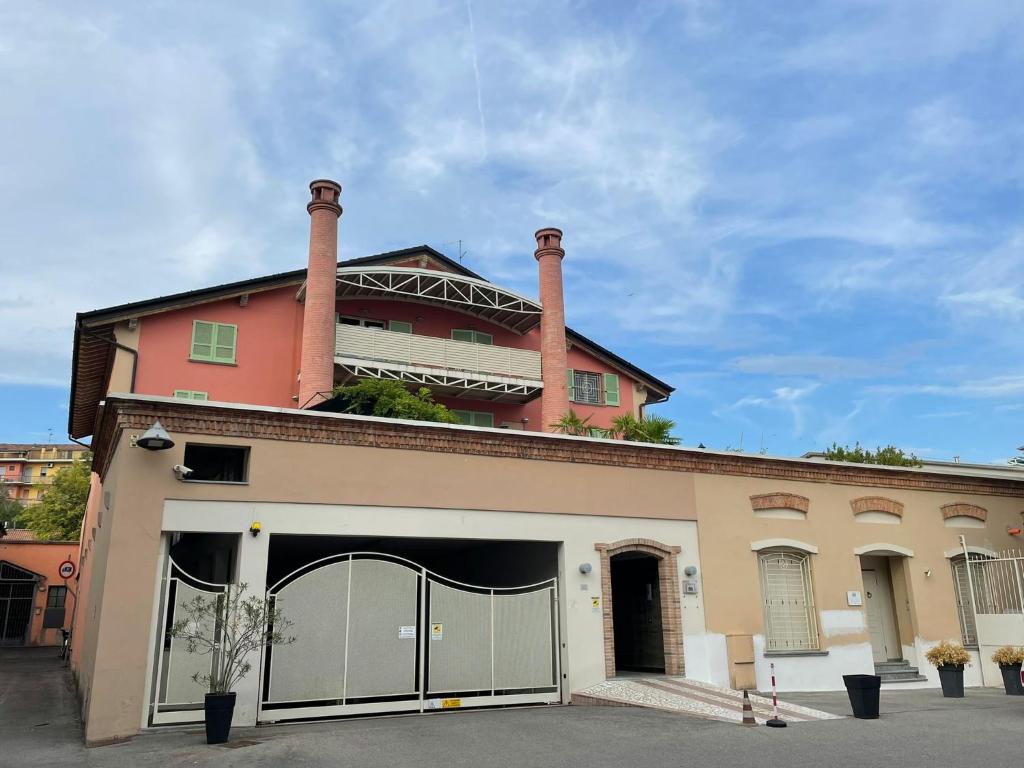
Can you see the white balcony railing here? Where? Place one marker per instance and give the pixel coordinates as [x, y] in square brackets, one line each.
[352, 341]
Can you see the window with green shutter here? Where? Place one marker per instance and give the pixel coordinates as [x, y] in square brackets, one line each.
[477, 337]
[571, 385]
[399, 326]
[189, 394]
[611, 389]
[213, 342]
[475, 418]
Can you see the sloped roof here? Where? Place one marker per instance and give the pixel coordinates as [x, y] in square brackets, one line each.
[94, 344]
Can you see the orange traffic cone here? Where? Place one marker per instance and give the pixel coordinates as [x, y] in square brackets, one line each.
[748, 711]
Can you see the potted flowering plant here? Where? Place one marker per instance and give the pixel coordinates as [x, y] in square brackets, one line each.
[1009, 659]
[949, 658]
[229, 627]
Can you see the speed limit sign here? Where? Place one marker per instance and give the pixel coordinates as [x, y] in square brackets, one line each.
[66, 569]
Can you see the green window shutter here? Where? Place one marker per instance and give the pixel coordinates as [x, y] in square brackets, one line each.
[459, 334]
[183, 394]
[611, 389]
[224, 349]
[199, 396]
[464, 417]
[483, 419]
[202, 340]
[483, 338]
[572, 385]
[399, 326]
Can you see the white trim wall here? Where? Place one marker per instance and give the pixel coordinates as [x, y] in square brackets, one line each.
[582, 623]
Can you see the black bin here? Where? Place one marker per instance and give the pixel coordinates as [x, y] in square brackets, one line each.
[863, 691]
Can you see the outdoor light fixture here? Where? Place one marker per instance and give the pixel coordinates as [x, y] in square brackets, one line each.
[586, 568]
[690, 570]
[156, 438]
[928, 572]
[255, 528]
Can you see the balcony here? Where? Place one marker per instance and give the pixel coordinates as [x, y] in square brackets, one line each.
[447, 367]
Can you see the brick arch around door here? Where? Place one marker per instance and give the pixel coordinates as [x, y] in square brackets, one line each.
[671, 608]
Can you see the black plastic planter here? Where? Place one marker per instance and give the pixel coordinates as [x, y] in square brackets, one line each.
[952, 678]
[219, 709]
[863, 692]
[1011, 679]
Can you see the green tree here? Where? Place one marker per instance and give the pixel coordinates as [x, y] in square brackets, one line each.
[572, 424]
[890, 455]
[58, 516]
[10, 510]
[650, 429]
[390, 399]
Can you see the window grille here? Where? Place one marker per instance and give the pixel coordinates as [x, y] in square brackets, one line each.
[789, 618]
[587, 388]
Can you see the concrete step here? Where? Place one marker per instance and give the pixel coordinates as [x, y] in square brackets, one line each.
[903, 677]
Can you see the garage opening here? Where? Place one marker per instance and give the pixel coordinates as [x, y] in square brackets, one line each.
[636, 613]
[405, 625]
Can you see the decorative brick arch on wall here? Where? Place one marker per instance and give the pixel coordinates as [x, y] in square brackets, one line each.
[876, 504]
[963, 509]
[780, 500]
[671, 607]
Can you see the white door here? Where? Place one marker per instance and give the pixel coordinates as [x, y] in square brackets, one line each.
[885, 644]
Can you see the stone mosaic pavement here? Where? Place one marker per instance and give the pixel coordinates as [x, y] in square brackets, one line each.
[690, 697]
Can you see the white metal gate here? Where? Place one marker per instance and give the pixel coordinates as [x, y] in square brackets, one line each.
[177, 698]
[378, 633]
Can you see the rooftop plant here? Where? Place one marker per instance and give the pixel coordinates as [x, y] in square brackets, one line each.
[390, 399]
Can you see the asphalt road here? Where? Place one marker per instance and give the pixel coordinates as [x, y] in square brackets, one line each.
[38, 727]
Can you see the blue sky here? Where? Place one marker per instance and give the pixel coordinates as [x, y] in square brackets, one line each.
[808, 217]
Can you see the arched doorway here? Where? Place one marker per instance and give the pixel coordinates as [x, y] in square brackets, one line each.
[636, 613]
[641, 606]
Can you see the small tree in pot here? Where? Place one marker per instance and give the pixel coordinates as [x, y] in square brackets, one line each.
[1009, 658]
[229, 627]
[949, 658]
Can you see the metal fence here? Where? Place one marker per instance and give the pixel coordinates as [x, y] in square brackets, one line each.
[998, 583]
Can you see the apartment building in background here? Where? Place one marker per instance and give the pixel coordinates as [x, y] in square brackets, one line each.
[27, 468]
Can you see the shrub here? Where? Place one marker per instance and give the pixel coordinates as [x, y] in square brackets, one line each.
[390, 399]
[1009, 655]
[947, 653]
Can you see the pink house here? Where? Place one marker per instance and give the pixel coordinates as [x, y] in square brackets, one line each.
[495, 357]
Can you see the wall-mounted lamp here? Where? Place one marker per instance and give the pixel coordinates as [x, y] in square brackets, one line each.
[928, 573]
[586, 568]
[690, 570]
[156, 438]
[255, 528]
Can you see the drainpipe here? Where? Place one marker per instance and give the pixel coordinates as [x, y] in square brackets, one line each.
[974, 610]
[133, 352]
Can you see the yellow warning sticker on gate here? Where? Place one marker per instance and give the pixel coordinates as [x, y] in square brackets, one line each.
[451, 703]
[437, 633]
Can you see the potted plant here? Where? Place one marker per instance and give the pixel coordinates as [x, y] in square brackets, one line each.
[229, 627]
[949, 658]
[1009, 659]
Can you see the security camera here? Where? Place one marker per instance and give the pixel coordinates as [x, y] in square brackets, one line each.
[181, 471]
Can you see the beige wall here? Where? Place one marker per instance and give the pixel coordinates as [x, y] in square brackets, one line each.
[122, 562]
[925, 605]
[123, 571]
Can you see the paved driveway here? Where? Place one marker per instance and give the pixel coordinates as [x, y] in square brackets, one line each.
[38, 727]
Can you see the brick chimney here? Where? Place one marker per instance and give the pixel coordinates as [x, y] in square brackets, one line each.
[554, 366]
[317, 366]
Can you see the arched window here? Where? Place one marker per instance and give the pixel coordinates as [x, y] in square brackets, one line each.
[790, 622]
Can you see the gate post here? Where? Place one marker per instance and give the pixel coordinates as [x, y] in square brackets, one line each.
[253, 552]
